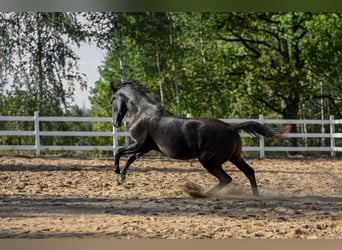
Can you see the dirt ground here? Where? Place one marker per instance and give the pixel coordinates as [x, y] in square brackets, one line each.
[77, 198]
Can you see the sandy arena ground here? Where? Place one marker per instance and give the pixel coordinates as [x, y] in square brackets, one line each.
[77, 198]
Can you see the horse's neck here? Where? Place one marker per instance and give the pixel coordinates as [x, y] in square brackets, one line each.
[137, 105]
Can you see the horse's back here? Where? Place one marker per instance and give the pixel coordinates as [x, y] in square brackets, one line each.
[184, 138]
[216, 132]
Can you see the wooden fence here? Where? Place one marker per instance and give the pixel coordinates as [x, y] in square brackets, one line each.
[329, 137]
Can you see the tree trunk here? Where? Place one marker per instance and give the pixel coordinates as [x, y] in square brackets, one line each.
[120, 49]
[205, 66]
[40, 81]
[174, 68]
[161, 90]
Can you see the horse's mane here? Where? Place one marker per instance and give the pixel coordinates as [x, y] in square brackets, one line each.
[143, 91]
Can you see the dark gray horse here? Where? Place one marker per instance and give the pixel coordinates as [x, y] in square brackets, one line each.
[210, 140]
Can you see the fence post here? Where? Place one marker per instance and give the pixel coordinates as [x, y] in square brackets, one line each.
[332, 136]
[37, 132]
[305, 133]
[115, 140]
[261, 140]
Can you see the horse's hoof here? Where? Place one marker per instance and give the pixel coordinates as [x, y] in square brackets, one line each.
[120, 179]
[117, 170]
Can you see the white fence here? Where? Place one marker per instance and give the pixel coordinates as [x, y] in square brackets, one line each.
[37, 133]
[329, 136]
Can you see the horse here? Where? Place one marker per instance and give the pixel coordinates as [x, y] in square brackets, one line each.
[210, 140]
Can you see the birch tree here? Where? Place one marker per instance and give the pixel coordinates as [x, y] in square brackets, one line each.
[40, 59]
[174, 65]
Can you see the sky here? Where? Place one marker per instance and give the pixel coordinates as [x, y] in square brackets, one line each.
[91, 58]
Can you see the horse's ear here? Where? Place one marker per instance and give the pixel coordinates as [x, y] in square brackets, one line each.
[112, 86]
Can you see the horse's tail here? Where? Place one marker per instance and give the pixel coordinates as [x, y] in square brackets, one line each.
[258, 129]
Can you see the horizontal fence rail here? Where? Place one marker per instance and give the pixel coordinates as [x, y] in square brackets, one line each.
[330, 136]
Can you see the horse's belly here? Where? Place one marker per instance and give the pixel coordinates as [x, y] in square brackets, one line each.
[184, 156]
[179, 151]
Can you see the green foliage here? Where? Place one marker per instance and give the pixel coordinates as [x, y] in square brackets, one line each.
[232, 65]
[282, 65]
[41, 69]
[147, 34]
[286, 56]
[40, 59]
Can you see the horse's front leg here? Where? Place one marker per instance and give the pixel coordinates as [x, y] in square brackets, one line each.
[123, 151]
[132, 149]
[122, 176]
[117, 155]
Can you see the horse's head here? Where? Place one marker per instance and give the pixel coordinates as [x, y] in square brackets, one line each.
[119, 108]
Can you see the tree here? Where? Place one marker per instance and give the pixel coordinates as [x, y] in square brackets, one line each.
[232, 64]
[204, 79]
[40, 59]
[323, 55]
[277, 64]
[140, 43]
[39, 69]
[160, 48]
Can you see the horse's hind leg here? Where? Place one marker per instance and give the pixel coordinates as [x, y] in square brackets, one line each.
[248, 171]
[217, 171]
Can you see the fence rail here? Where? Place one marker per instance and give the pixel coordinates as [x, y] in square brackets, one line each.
[331, 136]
